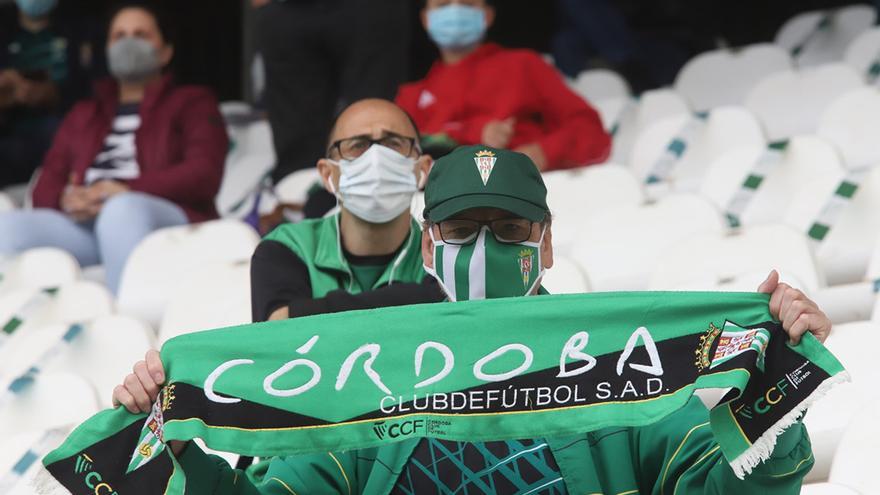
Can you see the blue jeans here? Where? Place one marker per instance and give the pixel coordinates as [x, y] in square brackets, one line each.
[124, 220]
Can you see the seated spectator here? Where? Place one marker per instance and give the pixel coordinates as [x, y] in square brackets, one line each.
[141, 155]
[498, 221]
[482, 93]
[41, 67]
[373, 166]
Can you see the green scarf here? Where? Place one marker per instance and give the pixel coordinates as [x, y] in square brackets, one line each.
[469, 371]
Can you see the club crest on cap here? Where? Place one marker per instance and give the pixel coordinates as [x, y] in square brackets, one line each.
[485, 161]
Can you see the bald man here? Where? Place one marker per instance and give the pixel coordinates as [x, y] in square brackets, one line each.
[373, 165]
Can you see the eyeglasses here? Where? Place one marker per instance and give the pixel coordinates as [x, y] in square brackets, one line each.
[353, 147]
[463, 232]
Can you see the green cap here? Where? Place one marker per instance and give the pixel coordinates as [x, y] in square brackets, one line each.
[484, 177]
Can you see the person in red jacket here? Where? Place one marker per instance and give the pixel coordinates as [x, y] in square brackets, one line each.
[481, 93]
[143, 154]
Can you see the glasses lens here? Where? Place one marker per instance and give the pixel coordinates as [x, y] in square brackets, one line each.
[400, 144]
[353, 147]
[512, 230]
[459, 231]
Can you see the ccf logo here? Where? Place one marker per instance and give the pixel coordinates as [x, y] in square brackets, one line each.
[763, 403]
[92, 478]
[394, 430]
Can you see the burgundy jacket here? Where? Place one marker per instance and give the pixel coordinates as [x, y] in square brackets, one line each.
[181, 146]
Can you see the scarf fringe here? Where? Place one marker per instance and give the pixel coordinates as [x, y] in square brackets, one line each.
[761, 449]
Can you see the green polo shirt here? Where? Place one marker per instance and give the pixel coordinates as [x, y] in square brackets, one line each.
[318, 244]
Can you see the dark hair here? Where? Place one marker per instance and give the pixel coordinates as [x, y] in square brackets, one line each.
[408, 116]
[166, 28]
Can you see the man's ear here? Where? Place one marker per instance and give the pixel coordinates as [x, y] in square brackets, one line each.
[427, 249]
[490, 16]
[166, 54]
[423, 15]
[423, 168]
[547, 249]
[329, 175]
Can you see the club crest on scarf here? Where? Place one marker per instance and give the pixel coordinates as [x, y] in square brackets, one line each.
[732, 341]
[151, 442]
[485, 161]
[735, 340]
[525, 265]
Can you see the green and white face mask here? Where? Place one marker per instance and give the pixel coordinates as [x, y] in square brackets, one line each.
[487, 269]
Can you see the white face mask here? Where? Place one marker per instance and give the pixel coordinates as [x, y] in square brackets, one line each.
[378, 186]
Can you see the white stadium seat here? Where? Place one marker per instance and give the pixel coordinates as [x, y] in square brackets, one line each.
[600, 84]
[828, 418]
[417, 207]
[214, 296]
[792, 102]
[13, 302]
[576, 194]
[864, 51]
[36, 345]
[796, 190]
[724, 77]
[40, 268]
[259, 139]
[873, 277]
[726, 128]
[251, 159]
[846, 303]
[738, 261]
[827, 489]
[167, 256]
[619, 249]
[6, 202]
[292, 193]
[852, 123]
[105, 352]
[53, 400]
[232, 109]
[810, 168]
[612, 109]
[18, 194]
[78, 301]
[854, 463]
[824, 35]
[294, 188]
[16, 447]
[873, 272]
[651, 106]
[566, 277]
[845, 253]
[75, 302]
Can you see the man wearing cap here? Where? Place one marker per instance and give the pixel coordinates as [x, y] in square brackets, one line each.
[486, 209]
